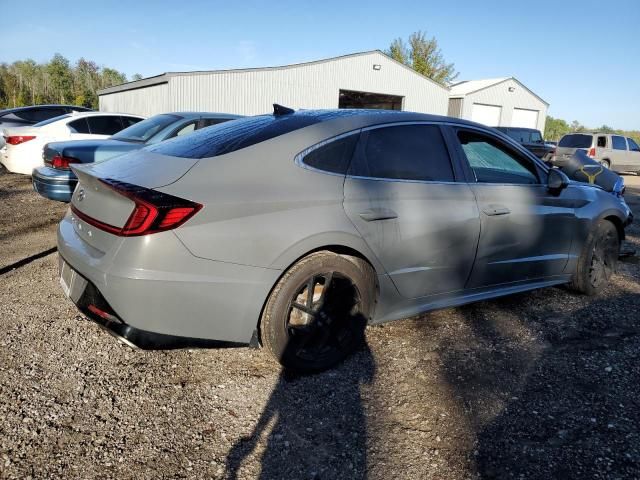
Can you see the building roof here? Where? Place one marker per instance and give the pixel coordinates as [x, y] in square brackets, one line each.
[467, 87]
[164, 78]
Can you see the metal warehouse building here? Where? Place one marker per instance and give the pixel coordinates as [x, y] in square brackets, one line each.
[498, 102]
[360, 80]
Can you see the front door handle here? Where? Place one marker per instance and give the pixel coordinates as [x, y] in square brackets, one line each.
[374, 214]
[492, 210]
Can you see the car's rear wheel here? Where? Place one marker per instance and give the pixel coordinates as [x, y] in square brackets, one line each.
[605, 163]
[598, 259]
[317, 312]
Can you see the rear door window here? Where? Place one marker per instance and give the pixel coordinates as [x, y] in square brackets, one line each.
[104, 124]
[332, 156]
[633, 146]
[619, 143]
[494, 162]
[577, 140]
[79, 126]
[404, 152]
[602, 142]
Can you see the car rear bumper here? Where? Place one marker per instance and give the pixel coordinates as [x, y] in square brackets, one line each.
[54, 184]
[159, 295]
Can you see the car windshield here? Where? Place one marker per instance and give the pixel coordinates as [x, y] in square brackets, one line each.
[51, 120]
[144, 130]
[576, 141]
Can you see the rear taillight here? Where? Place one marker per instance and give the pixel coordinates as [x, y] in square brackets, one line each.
[18, 139]
[62, 163]
[153, 212]
[592, 152]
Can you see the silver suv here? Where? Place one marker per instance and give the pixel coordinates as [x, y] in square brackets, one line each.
[613, 151]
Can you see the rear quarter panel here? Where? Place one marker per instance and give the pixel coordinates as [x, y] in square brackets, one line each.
[262, 209]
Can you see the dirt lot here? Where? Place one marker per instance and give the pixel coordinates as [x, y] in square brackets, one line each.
[539, 385]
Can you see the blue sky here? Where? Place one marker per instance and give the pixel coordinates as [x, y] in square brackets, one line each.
[582, 57]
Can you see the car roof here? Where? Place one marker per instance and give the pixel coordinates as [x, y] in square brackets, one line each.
[244, 132]
[202, 114]
[526, 129]
[372, 117]
[48, 106]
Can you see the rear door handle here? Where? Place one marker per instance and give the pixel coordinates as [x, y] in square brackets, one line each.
[374, 214]
[492, 210]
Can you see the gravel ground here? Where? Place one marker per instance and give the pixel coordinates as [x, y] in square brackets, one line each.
[538, 385]
[27, 220]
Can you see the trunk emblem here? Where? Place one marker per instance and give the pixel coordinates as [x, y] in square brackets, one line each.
[81, 194]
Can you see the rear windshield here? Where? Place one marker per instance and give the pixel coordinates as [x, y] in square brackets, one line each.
[524, 136]
[231, 136]
[144, 130]
[576, 141]
[51, 120]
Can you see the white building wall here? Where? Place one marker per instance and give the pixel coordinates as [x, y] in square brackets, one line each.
[500, 95]
[145, 101]
[315, 85]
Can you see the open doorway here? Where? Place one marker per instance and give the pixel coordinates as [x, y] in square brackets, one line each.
[354, 99]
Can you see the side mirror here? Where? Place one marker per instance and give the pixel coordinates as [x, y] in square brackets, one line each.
[557, 180]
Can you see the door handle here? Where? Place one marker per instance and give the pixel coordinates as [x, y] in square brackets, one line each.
[492, 210]
[374, 214]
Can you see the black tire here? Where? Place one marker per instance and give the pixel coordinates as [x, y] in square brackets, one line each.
[605, 163]
[312, 333]
[598, 259]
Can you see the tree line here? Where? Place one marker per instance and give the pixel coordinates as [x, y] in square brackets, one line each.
[26, 82]
[555, 128]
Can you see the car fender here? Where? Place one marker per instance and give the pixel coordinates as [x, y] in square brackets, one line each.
[337, 241]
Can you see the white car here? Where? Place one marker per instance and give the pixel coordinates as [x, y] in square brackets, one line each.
[23, 147]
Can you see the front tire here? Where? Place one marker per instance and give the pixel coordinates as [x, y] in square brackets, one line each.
[317, 312]
[598, 259]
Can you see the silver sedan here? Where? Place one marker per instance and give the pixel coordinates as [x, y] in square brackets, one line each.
[295, 230]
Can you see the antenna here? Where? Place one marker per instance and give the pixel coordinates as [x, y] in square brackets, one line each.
[280, 110]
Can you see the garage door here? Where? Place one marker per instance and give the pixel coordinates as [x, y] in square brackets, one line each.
[524, 118]
[486, 114]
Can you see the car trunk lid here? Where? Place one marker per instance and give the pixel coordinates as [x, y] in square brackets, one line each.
[99, 209]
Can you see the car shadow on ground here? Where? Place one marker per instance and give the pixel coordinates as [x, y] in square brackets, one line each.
[539, 385]
[313, 426]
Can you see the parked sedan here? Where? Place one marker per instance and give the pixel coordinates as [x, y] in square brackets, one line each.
[25, 116]
[56, 181]
[296, 229]
[23, 150]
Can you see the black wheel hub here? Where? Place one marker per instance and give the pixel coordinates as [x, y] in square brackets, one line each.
[320, 320]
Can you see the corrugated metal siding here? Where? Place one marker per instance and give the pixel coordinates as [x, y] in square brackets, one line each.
[308, 86]
[500, 95]
[145, 101]
[455, 107]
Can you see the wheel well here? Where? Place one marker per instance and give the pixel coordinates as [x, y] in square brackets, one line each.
[618, 224]
[337, 249]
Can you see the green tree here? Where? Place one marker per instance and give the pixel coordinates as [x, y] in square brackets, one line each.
[576, 126]
[136, 76]
[424, 56]
[59, 78]
[555, 128]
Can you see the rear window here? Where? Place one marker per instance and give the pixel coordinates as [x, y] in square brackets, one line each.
[242, 133]
[576, 141]
[51, 120]
[144, 130]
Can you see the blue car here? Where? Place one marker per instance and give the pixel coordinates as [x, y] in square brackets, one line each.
[56, 181]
